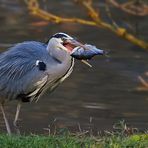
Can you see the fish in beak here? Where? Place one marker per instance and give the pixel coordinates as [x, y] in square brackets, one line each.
[86, 52]
[81, 51]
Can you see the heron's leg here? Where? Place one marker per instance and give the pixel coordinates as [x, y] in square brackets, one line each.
[5, 119]
[16, 117]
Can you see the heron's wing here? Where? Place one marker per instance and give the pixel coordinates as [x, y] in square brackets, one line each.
[19, 72]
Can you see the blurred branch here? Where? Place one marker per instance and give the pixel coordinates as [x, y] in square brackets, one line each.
[34, 8]
[144, 83]
[122, 32]
[97, 21]
[132, 7]
[107, 8]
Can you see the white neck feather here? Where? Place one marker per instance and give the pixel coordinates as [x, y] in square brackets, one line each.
[56, 52]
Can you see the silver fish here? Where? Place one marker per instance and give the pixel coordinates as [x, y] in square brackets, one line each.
[86, 52]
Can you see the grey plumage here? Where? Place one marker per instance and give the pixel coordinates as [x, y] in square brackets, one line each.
[19, 74]
[29, 68]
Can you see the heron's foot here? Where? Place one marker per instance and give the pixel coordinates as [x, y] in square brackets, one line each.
[15, 124]
[5, 119]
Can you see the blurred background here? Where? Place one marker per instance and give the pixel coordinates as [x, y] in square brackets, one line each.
[92, 98]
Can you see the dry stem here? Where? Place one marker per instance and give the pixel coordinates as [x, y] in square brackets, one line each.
[97, 21]
[130, 7]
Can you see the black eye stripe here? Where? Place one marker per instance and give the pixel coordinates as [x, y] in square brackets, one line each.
[59, 35]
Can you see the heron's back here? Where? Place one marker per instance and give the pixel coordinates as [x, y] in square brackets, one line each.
[21, 77]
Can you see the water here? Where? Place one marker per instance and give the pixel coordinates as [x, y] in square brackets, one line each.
[105, 93]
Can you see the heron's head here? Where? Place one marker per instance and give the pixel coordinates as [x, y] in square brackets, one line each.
[63, 41]
[62, 44]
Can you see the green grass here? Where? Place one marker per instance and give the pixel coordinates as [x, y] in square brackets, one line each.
[44, 142]
[69, 141]
[122, 136]
[134, 141]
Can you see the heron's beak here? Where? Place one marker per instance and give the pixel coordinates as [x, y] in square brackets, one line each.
[70, 44]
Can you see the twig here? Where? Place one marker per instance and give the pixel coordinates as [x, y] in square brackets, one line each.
[110, 15]
[122, 32]
[97, 21]
[131, 8]
[144, 83]
[79, 127]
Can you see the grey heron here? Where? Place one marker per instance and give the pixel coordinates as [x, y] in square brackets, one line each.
[29, 68]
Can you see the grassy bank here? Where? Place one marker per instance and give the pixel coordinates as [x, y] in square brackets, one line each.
[134, 141]
[122, 136]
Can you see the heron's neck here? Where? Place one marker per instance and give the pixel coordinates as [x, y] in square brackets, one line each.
[58, 54]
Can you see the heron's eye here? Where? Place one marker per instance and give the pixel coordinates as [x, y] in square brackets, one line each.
[63, 39]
